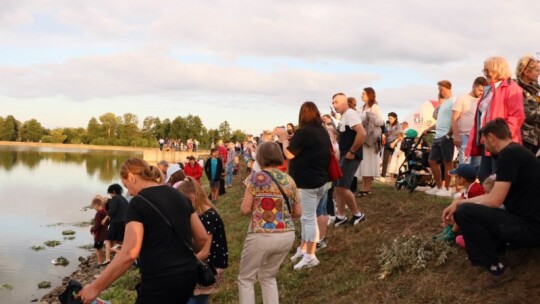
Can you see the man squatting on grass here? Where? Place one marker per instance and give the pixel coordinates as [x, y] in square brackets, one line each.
[489, 230]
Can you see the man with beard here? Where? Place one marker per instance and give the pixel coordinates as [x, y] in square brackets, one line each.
[487, 229]
[463, 114]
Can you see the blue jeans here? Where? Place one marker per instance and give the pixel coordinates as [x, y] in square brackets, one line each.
[200, 299]
[473, 160]
[310, 198]
[321, 207]
[229, 177]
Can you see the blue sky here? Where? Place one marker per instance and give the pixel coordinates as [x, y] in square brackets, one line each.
[250, 63]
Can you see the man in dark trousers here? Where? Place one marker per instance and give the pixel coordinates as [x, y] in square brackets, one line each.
[487, 228]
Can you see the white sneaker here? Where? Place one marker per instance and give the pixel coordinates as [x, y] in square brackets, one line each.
[432, 191]
[443, 192]
[331, 220]
[298, 255]
[306, 263]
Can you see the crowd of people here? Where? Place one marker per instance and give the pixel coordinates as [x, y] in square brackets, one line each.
[494, 128]
[171, 144]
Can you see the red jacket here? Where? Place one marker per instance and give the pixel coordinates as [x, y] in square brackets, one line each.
[195, 171]
[223, 153]
[507, 103]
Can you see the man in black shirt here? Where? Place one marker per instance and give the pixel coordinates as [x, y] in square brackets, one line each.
[488, 229]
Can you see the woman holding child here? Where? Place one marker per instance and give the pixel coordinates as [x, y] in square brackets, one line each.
[167, 263]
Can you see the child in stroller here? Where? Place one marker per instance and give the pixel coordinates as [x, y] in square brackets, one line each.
[414, 171]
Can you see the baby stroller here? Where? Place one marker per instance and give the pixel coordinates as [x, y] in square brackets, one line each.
[414, 171]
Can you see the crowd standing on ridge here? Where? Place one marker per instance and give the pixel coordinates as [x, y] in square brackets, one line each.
[171, 222]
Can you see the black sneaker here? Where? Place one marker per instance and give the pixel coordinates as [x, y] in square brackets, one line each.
[340, 222]
[321, 244]
[357, 219]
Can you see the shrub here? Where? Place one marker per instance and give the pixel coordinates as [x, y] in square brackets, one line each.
[411, 254]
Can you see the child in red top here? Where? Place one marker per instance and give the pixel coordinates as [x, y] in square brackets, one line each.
[465, 178]
[100, 228]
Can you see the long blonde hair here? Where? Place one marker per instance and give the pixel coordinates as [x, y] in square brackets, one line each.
[195, 192]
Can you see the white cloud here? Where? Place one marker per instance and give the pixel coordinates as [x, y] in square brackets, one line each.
[154, 72]
[423, 41]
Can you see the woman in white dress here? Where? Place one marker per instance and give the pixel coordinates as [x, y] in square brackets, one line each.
[372, 121]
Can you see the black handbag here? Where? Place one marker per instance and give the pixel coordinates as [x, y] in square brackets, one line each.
[69, 295]
[206, 272]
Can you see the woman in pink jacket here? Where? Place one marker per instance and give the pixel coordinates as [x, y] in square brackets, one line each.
[502, 98]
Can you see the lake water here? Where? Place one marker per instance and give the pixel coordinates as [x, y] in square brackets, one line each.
[40, 188]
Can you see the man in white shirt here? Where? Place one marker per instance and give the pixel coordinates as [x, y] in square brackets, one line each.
[463, 114]
[351, 139]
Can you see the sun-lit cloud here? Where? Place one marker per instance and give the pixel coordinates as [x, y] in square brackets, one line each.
[244, 54]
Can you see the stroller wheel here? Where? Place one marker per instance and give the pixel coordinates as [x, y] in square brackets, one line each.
[412, 183]
[400, 180]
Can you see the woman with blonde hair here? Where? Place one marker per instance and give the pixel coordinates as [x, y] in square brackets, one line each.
[162, 230]
[271, 229]
[215, 249]
[502, 98]
[527, 72]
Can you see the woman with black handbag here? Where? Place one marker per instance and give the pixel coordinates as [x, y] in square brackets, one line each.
[162, 244]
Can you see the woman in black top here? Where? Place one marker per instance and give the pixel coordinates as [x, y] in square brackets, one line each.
[309, 152]
[168, 267]
[215, 249]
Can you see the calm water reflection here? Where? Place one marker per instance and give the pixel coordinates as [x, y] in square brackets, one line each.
[40, 187]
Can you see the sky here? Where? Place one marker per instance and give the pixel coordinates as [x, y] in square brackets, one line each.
[252, 63]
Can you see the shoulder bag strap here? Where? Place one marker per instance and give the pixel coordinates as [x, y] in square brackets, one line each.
[168, 223]
[280, 190]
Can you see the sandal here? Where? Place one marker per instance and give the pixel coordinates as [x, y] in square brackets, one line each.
[362, 193]
[104, 264]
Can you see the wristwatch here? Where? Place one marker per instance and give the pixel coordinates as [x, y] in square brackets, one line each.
[351, 151]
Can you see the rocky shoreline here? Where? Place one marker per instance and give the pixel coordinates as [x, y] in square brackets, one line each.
[84, 274]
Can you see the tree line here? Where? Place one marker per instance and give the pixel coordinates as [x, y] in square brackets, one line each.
[125, 130]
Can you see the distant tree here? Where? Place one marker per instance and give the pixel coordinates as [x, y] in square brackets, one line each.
[224, 130]
[9, 129]
[213, 136]
[75, 136]
[31, 130]
[151, 126]
[129, 128]
[195, 127]
[110, 123]
[179, 129]
[164, 129]
[94, 129]
[54, 136]
[238, 135]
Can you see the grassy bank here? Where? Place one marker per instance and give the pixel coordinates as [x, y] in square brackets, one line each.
[349, 270]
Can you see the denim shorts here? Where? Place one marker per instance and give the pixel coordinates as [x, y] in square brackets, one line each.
[348, 167]
[442, 149]
[321, 207]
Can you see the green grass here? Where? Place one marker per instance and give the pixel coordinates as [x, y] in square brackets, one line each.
[350, 268]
